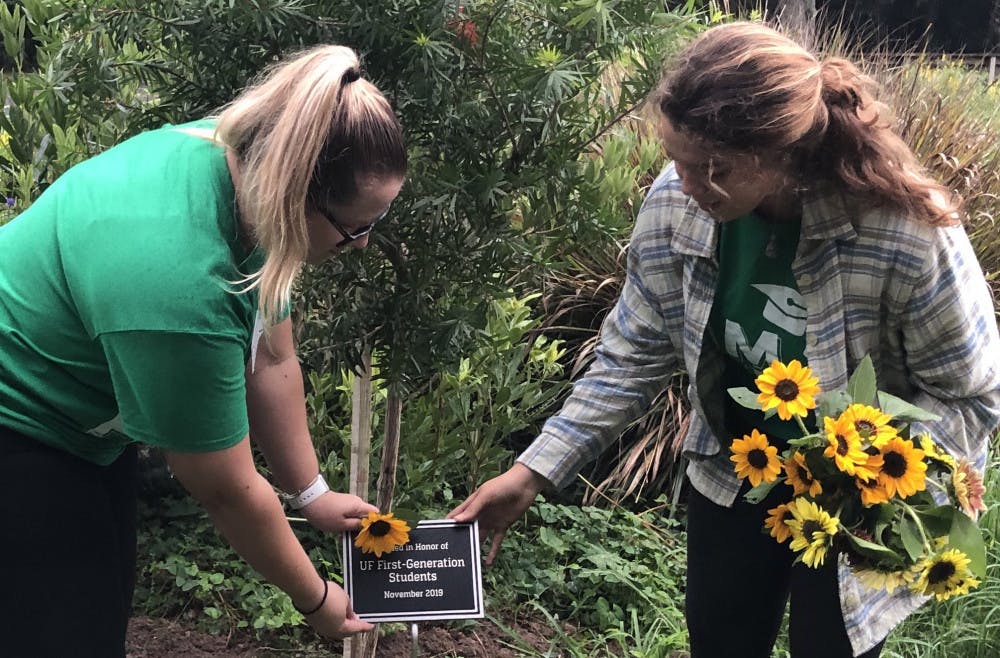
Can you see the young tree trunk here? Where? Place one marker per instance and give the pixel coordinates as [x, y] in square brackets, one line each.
[390, 450]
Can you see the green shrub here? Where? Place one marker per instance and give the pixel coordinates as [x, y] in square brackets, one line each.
[456, 428]
[615, 574]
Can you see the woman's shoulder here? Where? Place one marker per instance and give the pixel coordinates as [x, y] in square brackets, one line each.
[898, 230]
[668, 216]
[665, 193]
[912, 246]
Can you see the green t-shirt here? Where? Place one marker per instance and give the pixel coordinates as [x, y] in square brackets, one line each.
[118, 319]
[759, 315]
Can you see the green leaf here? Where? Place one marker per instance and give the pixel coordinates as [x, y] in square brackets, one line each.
[938, 520]
[862, 385]
[875, 551]
[412, 517]
[832, 404]
[909, 532]
[551, 539]
[744, 397]
[759, 493]
[821, 466]
[807, 441]
[966, 537]
[900, 409]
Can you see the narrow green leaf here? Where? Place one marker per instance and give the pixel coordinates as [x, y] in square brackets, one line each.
[744, 397]
[910, 534]
[885, 556]
[900, 409]
[807, 441]
[832, 404]
[759, 493]
[862, 385]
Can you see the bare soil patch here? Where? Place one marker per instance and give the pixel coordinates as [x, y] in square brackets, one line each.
[163, 638]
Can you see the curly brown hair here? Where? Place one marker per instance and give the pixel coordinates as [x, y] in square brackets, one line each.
[747, 88]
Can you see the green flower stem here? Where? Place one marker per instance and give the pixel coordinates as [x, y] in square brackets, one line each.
[802, 425]
[920, 526]
[943, 489]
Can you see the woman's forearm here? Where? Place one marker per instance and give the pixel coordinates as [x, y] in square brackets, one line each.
[254, 523]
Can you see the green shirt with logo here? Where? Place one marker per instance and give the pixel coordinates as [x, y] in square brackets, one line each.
[758, 315]
[120, 318]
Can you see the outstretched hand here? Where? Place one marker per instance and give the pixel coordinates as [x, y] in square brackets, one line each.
[337, 512]
[497, 503]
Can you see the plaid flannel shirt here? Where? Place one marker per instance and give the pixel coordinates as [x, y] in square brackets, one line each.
[911, 296]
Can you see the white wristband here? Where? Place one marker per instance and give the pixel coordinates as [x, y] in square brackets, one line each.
[307, 495]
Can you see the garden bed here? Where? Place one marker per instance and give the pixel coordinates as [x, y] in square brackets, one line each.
[150, 637]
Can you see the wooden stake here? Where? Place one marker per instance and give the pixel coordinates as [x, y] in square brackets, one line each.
[361, 447]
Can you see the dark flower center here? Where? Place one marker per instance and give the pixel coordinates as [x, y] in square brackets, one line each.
[865, 428]
[941, 572]
[894, 464]
[379, 528]
[809, 527]
[757, 458]
[805, 476]
[842, 447]
[786, 390]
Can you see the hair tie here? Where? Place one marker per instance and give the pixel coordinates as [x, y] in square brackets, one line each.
[306, 613]
[350, 75]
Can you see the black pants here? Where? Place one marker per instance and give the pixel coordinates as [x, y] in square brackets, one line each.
[67, 552]
[740, 578]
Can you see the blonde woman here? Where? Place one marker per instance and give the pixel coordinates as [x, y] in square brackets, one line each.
[143, 299]
[793, 223]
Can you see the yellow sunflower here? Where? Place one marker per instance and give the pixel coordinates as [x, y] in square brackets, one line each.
[775, 521]
[903, 469]
[845, 447]
[935, 452]
[755, 458]
[870, 423]
[870, 469]
[969, 489]
[789, 388]
[945, 575]
[812, 529]
[875, 578]
[800, 477]
[872, 492]
[380, 533]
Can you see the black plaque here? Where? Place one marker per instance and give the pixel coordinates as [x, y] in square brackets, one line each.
[436, 575]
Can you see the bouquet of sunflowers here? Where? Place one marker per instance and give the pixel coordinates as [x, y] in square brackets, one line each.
[898, 507]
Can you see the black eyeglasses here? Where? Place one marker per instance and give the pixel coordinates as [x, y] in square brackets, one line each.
[356, 234]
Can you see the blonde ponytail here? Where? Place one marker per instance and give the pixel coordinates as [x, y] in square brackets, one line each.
[304, 132]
